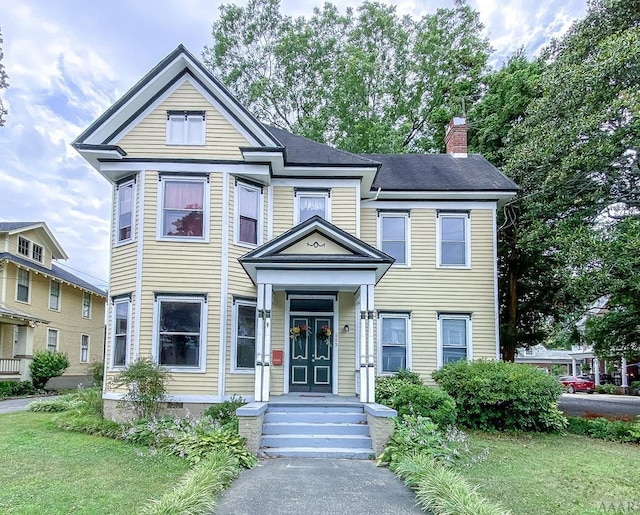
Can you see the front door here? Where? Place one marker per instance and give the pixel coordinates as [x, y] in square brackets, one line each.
[311, 353]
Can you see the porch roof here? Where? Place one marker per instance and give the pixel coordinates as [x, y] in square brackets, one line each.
[13, 315]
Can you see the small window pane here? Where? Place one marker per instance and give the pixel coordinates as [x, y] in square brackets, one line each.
[312, 206]
[183, 195]
[194, 130]
[183, 208]
[393, 228]
[394, 331]
[454, 332]
[120, 351]
[37, 253]
[52, 340]
[181, 317]
[248, 230]
[23, 246]
[249, 202]
[54, 295]
[84, 348]
[176, 129]
[453, 253]
[179, 350]
[451, 354]
[86, 304]
[122, 317]
[246, 333]
[125, 212]
[396, 250]
[23, 285]
[179, 327]
[452, 229]
[393, 358]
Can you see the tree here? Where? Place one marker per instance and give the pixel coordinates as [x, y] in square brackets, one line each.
[3, 83]
[364, 81]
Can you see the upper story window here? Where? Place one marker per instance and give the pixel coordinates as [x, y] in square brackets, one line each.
[23, 246]
[248, 214]
[393, 236]
[310, 203]
[37, 252]
[86, 305]
[124, 212]
[24, 282]
[121, 323]
[54, 295]
[454, 337]
[394, 337]
[453, 234]
[244, 344]
[183, 208]
[185, 127]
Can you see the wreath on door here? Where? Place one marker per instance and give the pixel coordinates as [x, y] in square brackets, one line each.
[324, 333]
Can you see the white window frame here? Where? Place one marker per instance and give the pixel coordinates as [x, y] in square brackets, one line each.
[56, 334]
[260, 221]
[51, 296]
[28, 301]
[234, 336]
[315, 194]
[467, 317]
[202, 358]
[114, 334]
[407, 235]
[86, 295]
[28, 247]
[37, 252]
[164, 179]
[181, 138]
[466, 216]
[129, 184]
[407, 318]
[84, 337]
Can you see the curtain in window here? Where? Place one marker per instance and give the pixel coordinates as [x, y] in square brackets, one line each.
[311, 206]
[183, 204]
[248, 206]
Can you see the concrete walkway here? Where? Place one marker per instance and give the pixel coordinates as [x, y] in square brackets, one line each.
[20, 404]
[317, 487]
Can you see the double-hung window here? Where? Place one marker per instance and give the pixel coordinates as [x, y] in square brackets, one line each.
[248, 211]
[244, 348]
[183, 208]
[454, 337]
[124, 212]
[37, 252]
[23, 246]
[453, 234]
[393, 236]
[395, 342]
[86, 305]
[84, 348]
[310, 203]
[52, 340]
[24, 282]
[186, 127]
[180, 325]
[54, 295]
[121, 326]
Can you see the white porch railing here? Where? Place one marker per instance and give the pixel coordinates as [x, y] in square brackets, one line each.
[9, 366]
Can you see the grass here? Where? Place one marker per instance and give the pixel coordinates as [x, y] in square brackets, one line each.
[548, 474]
[76, 473]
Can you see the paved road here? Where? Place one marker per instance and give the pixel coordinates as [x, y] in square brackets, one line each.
[584, 404]
[19, 404]
[317, 487]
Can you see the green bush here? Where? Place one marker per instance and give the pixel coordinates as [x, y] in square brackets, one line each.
[96, 371]
[504, 396]
[16, 389]
[224, 413]
[46, 365]
[635, 387]
[54, 405]
[607, 388]
[420, 399]
[82, 422]
[603, 429]
[388, 386]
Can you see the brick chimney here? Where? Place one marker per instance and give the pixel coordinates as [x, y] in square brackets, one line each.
[455, 137]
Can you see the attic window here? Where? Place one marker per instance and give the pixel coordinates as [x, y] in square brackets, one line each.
[23, 246]
[185, 127]
[37, 253]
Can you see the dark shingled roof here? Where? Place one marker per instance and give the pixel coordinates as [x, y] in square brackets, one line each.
[440, 172]
[12, 226]
[305, 152]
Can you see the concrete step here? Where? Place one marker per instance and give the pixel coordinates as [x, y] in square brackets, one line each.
[281, 428]
[316, 441]
[318, 452]
[326, 417]
[293, 407]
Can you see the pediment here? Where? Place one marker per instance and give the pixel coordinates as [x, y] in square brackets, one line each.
[315, 244]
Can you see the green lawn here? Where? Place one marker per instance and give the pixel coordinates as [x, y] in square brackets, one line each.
[548, 474]
[46, 470]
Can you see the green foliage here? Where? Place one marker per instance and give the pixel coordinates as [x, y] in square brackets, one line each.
[16, 389]
[146, 385]
[635, 387]
[420, 399]
[224, 413]
[387, 386]
[505, 396]
[87, 401]
[603, 429]
[83, 422]
[607, 388]
[96, 371]
[54, 405]
[197, 490]
[46, 365]
[3, 84]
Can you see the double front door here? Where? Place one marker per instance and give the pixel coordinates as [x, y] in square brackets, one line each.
[311, 352]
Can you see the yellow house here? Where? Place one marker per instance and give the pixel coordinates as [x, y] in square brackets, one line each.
[251, 261]
[43, 306]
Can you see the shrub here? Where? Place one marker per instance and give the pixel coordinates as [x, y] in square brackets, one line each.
[54, 405]
[224, 413]
[635, 387]
[81, 422]
[603, 429]
[96, 371]
[504, 396]
[607, 388]
[420, 399]
[388, 386]
[46, 365]
[146, 385]
[16, 389]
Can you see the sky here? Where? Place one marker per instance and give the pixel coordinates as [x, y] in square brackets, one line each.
[69, 60]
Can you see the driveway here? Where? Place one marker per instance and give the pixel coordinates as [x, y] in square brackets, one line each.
[317, 487]
[19, 404]
[597, 404]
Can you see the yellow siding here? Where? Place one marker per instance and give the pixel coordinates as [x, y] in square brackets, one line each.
[343, 208]
[148, 137]
[283, 209]
[278, 341]
[346, 345]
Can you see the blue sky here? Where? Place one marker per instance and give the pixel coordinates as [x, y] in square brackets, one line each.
[69, 60]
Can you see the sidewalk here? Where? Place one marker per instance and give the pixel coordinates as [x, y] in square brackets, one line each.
[317, 487]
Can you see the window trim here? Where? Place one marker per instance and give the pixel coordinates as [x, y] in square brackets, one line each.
[86, 294]
[202, 358]
[466, 216]
[234, 369]
[206, 212]
[50, 331]
[29, 280]
[59, 297]
[408, 351]
[468, 317]
[117, 241]
[300, 192]
[186, 115]
[28, 247]
[236, 219]
[407, 234]
[82, 337]
[36, 247]
[127, 345]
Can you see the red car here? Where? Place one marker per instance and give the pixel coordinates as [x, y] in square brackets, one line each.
[575, 384]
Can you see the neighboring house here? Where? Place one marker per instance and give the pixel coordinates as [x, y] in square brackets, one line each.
[230, 238]
[42, 306]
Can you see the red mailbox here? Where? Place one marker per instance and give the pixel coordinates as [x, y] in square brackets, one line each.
[276, 357]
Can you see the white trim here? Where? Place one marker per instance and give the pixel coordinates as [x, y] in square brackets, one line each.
[312, 194]
[496, 301]
[469, 333]
[202, 357]
[407, 235]
[358, 207]
[200, 399]
[254, 170]
[236, 216]
[427, 204]
[234, 336]
[408, 351]
[206, 210]
[335, 358]
[58, 309]
[270, 213]
[139, 258]
[467, 239]
[316, 183]
[202, 117]
[116, 242]
[127, 346]
[224, 286]
[489, 195]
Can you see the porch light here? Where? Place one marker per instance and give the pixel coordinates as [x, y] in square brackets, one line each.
[346, 328]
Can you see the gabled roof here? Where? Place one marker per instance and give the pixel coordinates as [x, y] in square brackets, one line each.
[16, 227]
[56, 273]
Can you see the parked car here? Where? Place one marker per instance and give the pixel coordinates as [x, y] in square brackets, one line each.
[575, 384]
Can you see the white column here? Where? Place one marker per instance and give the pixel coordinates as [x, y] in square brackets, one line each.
[573, 367]
[259, 344]
[371, 372]
[623, 364]
[266, 375]
[364, 390]
[596, 370]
